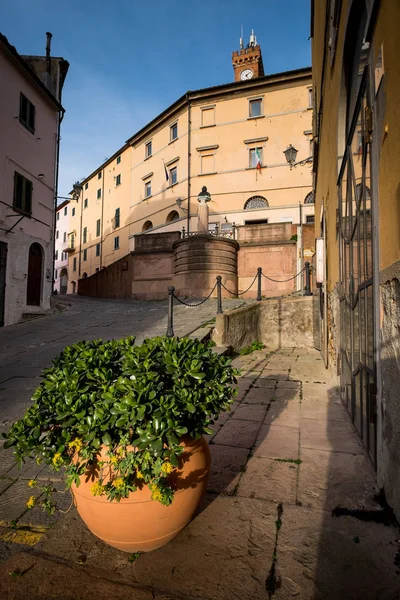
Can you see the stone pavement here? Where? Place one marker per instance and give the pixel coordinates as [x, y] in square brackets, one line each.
[289, 511]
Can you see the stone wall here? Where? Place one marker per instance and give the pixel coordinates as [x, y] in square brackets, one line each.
[389, 465]
[277, 322]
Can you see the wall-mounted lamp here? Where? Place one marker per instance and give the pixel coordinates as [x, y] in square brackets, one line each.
[291, 154]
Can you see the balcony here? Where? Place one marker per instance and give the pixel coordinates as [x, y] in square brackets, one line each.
[68, 246]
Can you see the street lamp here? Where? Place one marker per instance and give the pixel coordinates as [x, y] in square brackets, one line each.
[76, 192]
[290, 155]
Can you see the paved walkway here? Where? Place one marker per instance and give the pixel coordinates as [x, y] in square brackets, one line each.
[289, 512]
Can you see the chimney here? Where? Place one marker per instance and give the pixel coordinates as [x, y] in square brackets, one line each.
[48, 45]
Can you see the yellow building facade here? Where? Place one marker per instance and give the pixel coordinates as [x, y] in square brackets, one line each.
[231, 139]
[356, 88]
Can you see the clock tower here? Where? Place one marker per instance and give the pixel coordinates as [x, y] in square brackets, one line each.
[247, 62]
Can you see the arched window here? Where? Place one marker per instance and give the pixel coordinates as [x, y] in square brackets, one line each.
[359, 191]
[147, 225]
[256, 202]
[173, 216]
[309, 199]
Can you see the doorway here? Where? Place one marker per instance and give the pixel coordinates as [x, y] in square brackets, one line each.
[63, 281]
[3, 264]
[34, 284]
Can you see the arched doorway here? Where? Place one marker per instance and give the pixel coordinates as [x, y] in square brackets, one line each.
[63, 281]
[34, 283]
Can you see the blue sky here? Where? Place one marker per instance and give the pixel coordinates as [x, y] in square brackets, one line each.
[129, 60]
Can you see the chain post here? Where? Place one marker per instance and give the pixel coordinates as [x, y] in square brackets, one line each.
[307, 291]
[219, 295]
[259, 273]
[170, 328]
[183, 232]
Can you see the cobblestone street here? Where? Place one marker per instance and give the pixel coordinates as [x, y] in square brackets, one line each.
[290, 511]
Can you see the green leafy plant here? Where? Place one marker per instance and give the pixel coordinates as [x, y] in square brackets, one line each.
[120, 410]
[251, 348]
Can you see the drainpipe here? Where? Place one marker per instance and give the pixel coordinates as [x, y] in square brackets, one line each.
[102, 215]
[80, 237]
[189, 159]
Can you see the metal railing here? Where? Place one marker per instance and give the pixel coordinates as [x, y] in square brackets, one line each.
[227, 233]
[219, 286]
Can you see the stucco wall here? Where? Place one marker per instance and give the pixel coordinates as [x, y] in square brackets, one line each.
[33, 156]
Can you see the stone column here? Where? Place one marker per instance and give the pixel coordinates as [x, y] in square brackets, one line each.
[202, 226]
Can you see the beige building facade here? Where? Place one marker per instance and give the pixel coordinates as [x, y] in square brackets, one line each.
[229, 138]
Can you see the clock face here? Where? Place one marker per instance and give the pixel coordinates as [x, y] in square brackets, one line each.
[246, 74]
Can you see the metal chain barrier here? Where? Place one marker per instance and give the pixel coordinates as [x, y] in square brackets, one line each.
[219, 285]
[283, 280]
[197, 303]
[240, 293]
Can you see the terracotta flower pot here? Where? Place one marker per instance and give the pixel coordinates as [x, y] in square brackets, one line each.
[138, 523]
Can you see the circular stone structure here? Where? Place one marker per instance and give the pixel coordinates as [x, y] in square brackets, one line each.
[199, 259]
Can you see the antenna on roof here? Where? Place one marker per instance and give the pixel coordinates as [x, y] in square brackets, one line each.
[241, 38]
[253, 41]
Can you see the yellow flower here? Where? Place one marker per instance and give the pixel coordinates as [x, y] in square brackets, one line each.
[31, 502]
[57, 460]
[120, 451]
[167, 467]
[97, 489]
[32, 483]
[76, 445]
[139, 474]
[113, 460]
[39, 460]
[118, 483]
[156, 493]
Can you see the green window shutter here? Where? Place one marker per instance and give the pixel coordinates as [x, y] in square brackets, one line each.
[28, 196]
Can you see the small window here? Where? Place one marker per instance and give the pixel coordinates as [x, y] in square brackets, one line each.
[116, 243]
[85, 203]
[65, 236]
[309, 199]
[57, 235]
[86, 186]
[147, 189]
[85, 255]
[174, 131]
[99, 193]
[26, 113]
[84, 235]
[55, 274]
[99, 175]
[72, 240]
[74, 264]
[56, 254]
[147, 225]
[255, 157]
[255, 108]
[118, 159]
[148, 149]
[58, 216]
[207, 117]
[98, 225]
[97, 249]
[173, 175]
[22, 201]
[172, 216]
[65, 210]
[118, 180]
[310, 219]
[310, 97]
[73, 212]
[116, 218]
[207, 163]
[256, 202]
